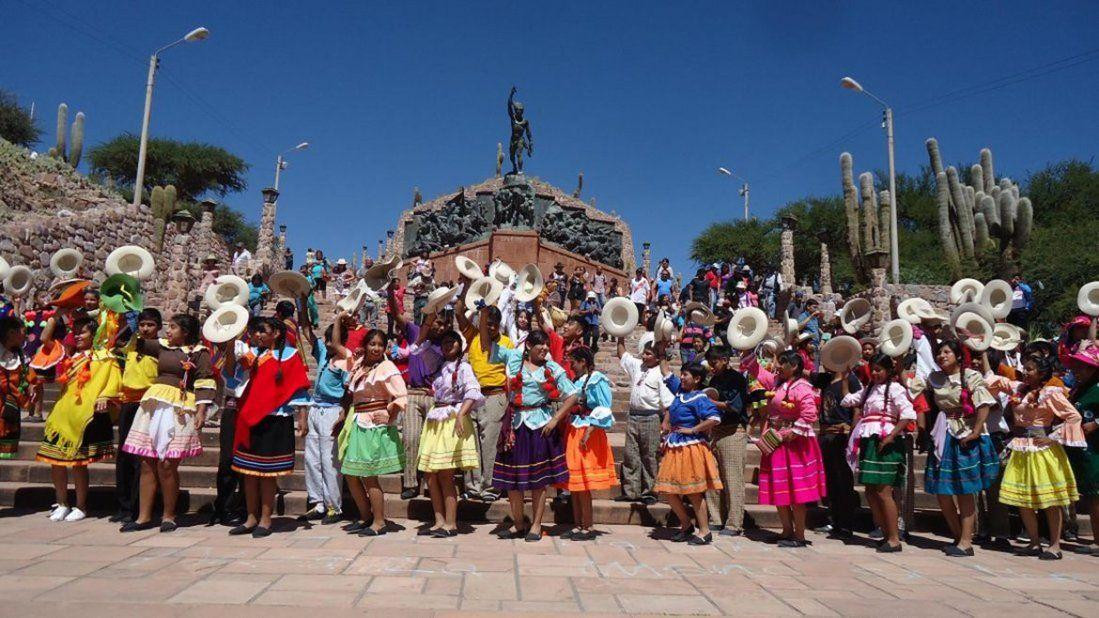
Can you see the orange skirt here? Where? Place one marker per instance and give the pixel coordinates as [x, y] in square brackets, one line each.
[689, 469]
[591, 467]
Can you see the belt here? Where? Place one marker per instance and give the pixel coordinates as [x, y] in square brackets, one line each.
[492, 390]
[420, 390]
[370, 406]
[634, 412]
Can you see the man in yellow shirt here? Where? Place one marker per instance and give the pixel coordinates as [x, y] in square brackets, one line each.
[493, 381]
[137, 377]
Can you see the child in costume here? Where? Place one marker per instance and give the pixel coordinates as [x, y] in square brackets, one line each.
[17, 382]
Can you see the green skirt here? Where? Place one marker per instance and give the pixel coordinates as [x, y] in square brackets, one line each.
[373, 451]
[1085, 466]
[878, 466]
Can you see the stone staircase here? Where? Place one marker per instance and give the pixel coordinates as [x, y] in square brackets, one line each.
[25, 483]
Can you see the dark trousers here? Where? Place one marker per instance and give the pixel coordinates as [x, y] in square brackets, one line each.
[127, 467]
[229, 488]
[843, 502]
[591, 336]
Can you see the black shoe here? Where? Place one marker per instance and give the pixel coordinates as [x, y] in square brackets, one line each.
[998, 543]
[841, 533]
[649, 500]
[792, 543]
[1049, 555]
[331, 518]
[242, 530]
[886, 548]
[410, 493]
[531, 537]
[168, 526]
[731, 532]
[876, 534]
[569, 535]
[954, 551]
[259, 532]
[584, 535]
[312, 515]
[701, 540]
[133, 526]
[825, 529]
[355, 527]
[1082, 549]
[489, 497]
[117, 518]
[442, 533]
[683, 535]
[624, 499]
[562, 498]
[1029, 551]
[368, 531]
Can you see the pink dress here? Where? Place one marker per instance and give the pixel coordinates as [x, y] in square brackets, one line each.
[794, 472]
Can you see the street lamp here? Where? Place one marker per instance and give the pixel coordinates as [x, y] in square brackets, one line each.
[743, 191]
[280, 164]
[850, 84]
[197, 34]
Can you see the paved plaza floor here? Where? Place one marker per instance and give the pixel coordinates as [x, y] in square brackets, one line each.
[88, 569]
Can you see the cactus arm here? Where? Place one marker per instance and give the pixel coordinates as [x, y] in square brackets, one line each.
[1007, 206]
[965, 215]
[981, 229]
[991, 213]
[62, 127]
[1023, 223]
[933, 154]
[851, 207]
[883, 221]
[77, 142]
[977, 177]
[946, 228]
[869, 211]
[989, 175]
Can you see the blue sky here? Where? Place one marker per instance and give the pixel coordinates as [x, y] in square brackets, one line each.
[646, 98]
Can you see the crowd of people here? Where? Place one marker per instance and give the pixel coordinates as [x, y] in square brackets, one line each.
[505, 398]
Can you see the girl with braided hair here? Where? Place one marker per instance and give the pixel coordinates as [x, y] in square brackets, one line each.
[17, 383]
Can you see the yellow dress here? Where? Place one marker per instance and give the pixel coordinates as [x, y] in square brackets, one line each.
[75, 435]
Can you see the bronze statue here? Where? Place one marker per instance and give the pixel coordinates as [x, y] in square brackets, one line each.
[520, 134]
[499, 158]
[579, 186]
[417, 198]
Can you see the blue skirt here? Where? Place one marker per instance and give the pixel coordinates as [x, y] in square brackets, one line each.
[963, 470]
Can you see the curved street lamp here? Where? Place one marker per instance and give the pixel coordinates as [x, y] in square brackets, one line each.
[743, 191]
[280, 163]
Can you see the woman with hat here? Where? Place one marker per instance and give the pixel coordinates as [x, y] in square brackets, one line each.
[17, 382]
[263, 439]
[369, 443]
[963, 461]
[792, 474]
[1085, 461]
[166, 428]
[882, 416]
[1039, 475]
[78, 431]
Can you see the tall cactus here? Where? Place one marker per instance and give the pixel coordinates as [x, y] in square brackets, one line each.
[984, 214]
[62, 150]
[77, 141]
[163, 204]
[867, 218]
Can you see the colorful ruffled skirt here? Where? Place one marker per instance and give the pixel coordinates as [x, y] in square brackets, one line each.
[535, 461]
[688, 469]
[270, 451]
[96, 444]
[962, 470]
[590, 466]
[793, 473]
[1039, 479]
[441, 449]
[164, 426]
[1085, 467]
[881, 466]
[372, 451]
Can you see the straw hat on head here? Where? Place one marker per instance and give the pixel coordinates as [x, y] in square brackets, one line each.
[289, 283]
[747, 328]
[1088, 298]
[484, 289]
[226, 289]
[130, 260]
[501, 271]
[18, 281]
[854, 315]
[895, 338]
[439, 298]
[840, 353]
[996, 295]
[966, 291]
[1005, 337]
[619, 317]
[467, 267]
[528, 283]
[65, 263]
[908, 309]
[227, 322]
[699, 314]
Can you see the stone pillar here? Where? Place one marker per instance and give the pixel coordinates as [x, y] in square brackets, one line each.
[381, 248]
[646, 259]
[388, 242]
[366, 256]
[280, 247]
[825, 264]
[789, 224]
[179, 274]
[265, 246]
[879, 296]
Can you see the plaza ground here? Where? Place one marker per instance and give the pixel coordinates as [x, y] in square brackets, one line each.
[89, 569]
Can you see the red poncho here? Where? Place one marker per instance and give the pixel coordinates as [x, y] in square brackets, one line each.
[266, 393]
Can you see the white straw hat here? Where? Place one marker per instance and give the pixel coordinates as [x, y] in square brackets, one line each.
[529, 283]
[226, 322]
[747, 328]
[966, 291]
[895, 337]
[840, 353]
[619, 317]
[130, 260]
[226, 289]
[996, 295]
[65, 263]
[854, 315]
[1088, 298]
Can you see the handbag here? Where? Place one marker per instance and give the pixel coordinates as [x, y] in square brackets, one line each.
[769, 441]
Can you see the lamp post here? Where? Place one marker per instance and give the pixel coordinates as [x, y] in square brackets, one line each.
[743, 191]
[197, 34]
[280, 163]
[850, 84]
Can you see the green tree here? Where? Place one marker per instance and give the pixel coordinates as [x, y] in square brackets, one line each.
[194, 168]
[16, 124]
[757, 241]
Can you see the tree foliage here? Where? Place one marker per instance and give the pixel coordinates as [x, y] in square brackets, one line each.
[194, 168]
[16, 124]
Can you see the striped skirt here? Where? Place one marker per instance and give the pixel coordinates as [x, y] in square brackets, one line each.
[793, 473]
[685, 470]
[1039, 480]
[881, 466]
[536, 461]
[270, 451]
[963, 470]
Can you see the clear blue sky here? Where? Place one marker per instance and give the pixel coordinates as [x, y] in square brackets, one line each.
[646, 98]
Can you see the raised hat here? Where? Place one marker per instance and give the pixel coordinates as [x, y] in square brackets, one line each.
[1005, 337]
[226, 289]
[18, 280]
[854, 315]
[1088, 298]
[973, 307]
[972, 327]
[4, 268]
[290, 283]
[227, 322]
[130, 260]
[484, 289]
[528, 283]
[501, 271]
[439, 298]
[895, 337]
[354, 299]
[965, 291]
[840, 353]
[789, 330]
[663, 328]
[645, 340]
[705, 317]
[378, 276]
[65, 263]
[69, 296]
[467, 267]
[619, 317]
[996, 295]
[908, 309]
[747, 328]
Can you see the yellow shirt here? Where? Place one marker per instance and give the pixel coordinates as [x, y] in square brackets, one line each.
[140, 372]
[488, 374]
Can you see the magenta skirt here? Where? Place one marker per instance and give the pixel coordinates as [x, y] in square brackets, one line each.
[792, 474]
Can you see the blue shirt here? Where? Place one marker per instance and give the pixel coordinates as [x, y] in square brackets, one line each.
[664, 287]
[331, 381]
[535, 411]
[256, 293]
[591, 319]
[688, 410]
[595, 397]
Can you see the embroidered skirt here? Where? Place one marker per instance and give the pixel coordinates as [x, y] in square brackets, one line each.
[1038, 480]
[793, 473]
[690, 469]
[963, 469]
[590, 467]
[535, 461]
[96, 444]
[10, 430]
[270, 451]
[162, 431]
[440, 449]
[881, 466]
[372, 451]
[1085, 467]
